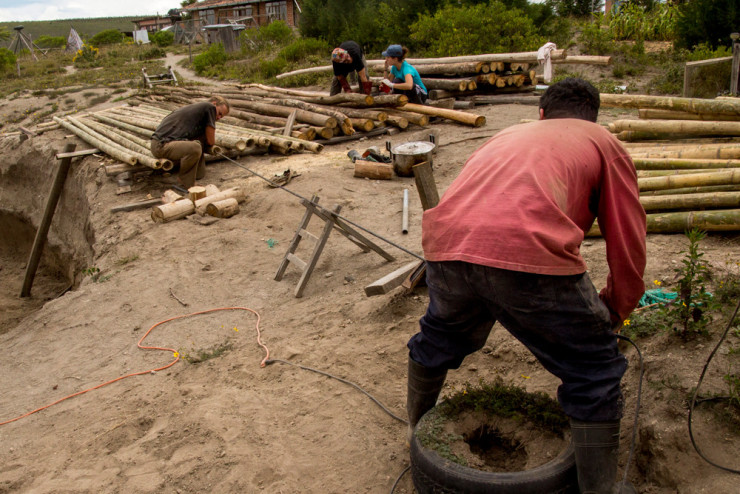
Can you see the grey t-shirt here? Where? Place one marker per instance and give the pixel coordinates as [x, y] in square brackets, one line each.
[187, 123]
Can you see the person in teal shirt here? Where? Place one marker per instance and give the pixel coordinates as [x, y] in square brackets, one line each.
[401, 76]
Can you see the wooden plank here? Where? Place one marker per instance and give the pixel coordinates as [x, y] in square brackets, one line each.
[390, 281]
[416, 276]
[133, 206]
[81, 152]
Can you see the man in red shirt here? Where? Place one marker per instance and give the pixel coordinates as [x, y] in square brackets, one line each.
[503, 245]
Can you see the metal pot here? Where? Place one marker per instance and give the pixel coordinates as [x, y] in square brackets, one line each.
[409, 154]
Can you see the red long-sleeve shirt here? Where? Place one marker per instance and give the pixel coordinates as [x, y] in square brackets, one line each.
[526, 198]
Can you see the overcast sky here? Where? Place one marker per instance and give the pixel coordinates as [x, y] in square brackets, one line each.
[44, 10]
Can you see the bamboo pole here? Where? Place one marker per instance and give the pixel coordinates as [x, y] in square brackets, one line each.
[692, 190]
[453, 69]
[665, 173]
[380, 115]
[456, 115]
[235, 192]
[722, 151]
[414, 118]
[722, 220]
[650, 113]
[115, 152]
[677, 127]
[164, 213]
[317, 97]
[682, 164]
[225, 208]
[716, 200]
[117, 138]
[692, 105]
[696, 179]
[363, 124]
[123, 125]
[584, 59]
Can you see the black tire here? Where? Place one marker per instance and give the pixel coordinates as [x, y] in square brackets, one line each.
[433, 474]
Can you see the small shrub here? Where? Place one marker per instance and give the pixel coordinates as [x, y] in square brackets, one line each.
[86, 56]
[597, 40]
[162, 38]
[45, 41]
[7, 60]
[107, 37]
[215, 55]
[304, 47]
[271, 68]
[151, 53]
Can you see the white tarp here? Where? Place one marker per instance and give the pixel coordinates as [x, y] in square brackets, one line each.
[141, 37]
[74, 42]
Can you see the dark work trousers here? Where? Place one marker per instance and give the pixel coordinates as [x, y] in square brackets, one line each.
[189, 154]
[560, 319]
[415, 94]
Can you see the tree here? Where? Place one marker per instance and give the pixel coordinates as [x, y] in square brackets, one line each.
[576, 8]
[707, 21]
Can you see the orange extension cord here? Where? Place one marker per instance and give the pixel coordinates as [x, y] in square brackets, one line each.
[174, 352]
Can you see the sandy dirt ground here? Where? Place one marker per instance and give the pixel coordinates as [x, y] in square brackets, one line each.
[227, 424]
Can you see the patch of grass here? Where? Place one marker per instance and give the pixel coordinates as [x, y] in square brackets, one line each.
[128, 259]
[94, 273]
[204, 354]
[99, 99]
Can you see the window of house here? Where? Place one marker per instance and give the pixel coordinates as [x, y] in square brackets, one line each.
[209, 16]
[277, 10]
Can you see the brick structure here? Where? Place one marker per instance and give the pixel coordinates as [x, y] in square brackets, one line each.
[252, 13]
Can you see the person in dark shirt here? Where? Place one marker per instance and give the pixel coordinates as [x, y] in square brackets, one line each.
[346, 59]
[186, 133]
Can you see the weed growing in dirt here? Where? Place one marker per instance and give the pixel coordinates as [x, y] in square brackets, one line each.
[94, 273]
[125, 260]
[197, 356]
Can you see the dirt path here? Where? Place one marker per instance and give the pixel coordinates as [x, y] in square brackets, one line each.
[172, 60]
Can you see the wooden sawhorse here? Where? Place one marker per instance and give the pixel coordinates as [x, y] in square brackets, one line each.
[331, 222]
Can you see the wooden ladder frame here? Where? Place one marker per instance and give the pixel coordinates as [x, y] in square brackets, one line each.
[164, 78]
[331, 222]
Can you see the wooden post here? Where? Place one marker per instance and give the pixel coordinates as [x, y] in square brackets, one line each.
[51, 205]
[735, 74]
[289, 124]
[425, 185]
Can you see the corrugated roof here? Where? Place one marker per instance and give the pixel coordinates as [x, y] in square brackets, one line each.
[209, 4]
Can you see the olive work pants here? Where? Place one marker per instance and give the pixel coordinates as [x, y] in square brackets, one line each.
[560, 319]
[189, 154]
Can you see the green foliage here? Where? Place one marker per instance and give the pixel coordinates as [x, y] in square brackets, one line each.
[577, 8]
[275, 33]
[162, 38]
[4, 33]
[634, 21]
[7, 60]
[597, 40]
[703, 51]
[707, 21]
[475, 29]
[107, 37]
[204, 354]
[86, 56]
[303, 48]
[271, 68]
[85, 27]
[151, 53]
[51, 41]
[214, 56]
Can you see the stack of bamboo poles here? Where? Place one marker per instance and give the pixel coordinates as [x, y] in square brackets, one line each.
[315, 114]
[692, 177]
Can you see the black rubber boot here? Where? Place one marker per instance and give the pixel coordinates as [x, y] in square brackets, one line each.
[596, 445]
[424, 386]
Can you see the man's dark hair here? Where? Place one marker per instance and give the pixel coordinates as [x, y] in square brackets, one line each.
[571, 98]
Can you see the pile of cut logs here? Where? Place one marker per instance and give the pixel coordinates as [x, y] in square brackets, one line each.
[201, 200]
[688, 160]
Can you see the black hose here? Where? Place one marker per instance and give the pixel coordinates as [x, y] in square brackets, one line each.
[696, 392]
[637, 412]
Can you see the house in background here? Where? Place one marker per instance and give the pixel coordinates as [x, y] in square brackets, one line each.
[152, 24]
[251, 13]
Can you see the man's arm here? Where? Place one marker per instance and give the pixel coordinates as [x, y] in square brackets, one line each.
[210, 135]
[623, 226]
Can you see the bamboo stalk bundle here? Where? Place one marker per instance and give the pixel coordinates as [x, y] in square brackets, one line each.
[455, 115]
[715, 200]
[123, 125]
[692, 190]
[677, 126]
[392, 100]
[143, 153]
[682, 164]
[720, 220]
[695, 179]
[453, 69]
[692, 105]
[638, 135]
[146, 143]
[665, 173]
[114, 151]
[489, 79]
[650, 113]
[144, 158]
[708, 151]
[310, 117]
[222, 139]
[415, 118]
[458, 84]
[316, 97]
[517, 66]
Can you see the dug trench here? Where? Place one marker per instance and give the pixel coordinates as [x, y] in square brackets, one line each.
[225, 424]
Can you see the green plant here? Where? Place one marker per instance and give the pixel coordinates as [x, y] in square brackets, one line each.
[162, 38]
[107, 37]
[125, 260]
[304, 47]
[214, 56]
[691, 312]
[7, 60]
[597, 39]
[481, 28]
[708, 21]
[203, 354]
[45, 41]
[94, 273]
[86, 56]
[151, 53]
[637, 22]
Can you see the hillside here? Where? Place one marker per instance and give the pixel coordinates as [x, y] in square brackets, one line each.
[85, 27]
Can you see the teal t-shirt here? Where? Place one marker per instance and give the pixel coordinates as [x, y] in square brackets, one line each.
[407, 68]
